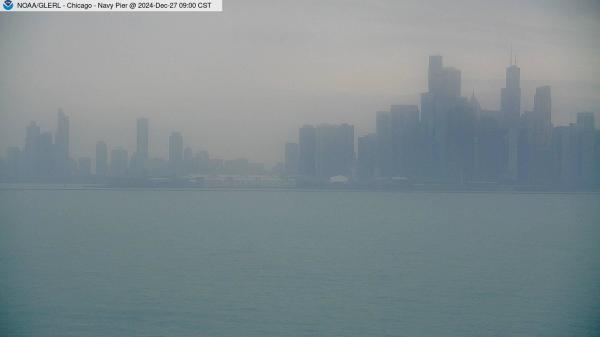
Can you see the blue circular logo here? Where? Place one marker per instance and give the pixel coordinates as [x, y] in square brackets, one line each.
[8, 5]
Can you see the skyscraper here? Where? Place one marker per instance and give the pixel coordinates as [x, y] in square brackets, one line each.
[565, 148]
[535, 143]
[404, 124]
[101, 159]
[439, 109]
[31, 153]
[510, 97]
[175, 147]
[176, 153]
[586, 149]
[510, 107]
[385, 152]
[61, 148]
[118, 162]
[586, 121]
[542, 107]
[434, 74]
[335, 150]
[307, 147]
[367, 157]
[139, 159]
[46, 161]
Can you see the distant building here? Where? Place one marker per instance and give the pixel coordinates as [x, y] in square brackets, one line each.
[176, 153]
[535, 149]
[586, 152]
[441, 110]
[510, 98]
[565, 149]
[307, 150]
[367, 157]
[46, 160]
[31, 152]
[404, 125]
[139, 159]
[385, 151]
[542, 106]
[510, 107]
[175, 147]
[101, 159]
[335, 150]
[61, 148]
[118, 162]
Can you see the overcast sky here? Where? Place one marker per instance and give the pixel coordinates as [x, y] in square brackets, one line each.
[239, 83]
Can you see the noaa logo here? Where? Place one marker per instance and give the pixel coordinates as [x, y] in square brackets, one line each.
[8, 5]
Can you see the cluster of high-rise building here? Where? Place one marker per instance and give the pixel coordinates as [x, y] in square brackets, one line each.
[452, 140]
[46, 159]
[43, 157]
[447, 140]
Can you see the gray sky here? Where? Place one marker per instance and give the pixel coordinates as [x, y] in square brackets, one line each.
[239, 83]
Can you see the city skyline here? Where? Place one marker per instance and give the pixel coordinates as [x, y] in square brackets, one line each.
[141, 145]
[447, 138]
[335, 64]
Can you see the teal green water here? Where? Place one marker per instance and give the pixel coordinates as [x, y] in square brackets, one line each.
[292, 263]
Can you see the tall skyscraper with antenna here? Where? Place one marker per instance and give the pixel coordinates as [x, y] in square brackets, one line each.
[510, 108]
[510, 95]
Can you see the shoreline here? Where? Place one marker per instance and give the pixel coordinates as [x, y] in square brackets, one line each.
[61, 187]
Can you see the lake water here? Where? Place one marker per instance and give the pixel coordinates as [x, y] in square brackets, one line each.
[298, 263]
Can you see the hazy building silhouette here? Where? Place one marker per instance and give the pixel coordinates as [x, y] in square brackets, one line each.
[404, 125]
[367, 157]
[510, 98]
[510, 106]
[188, 160]
[61, 148]
[101, 159]
[385, 151]
[118, 162]
[47, 161]
[542, 106]
[565, 155]
[586, 149]
[335, 150]
[176, 153]
[31, 152]
[489, 145]
[441, 110]
[307, 149]
[536, 142]
[175, 147]
[139, 159]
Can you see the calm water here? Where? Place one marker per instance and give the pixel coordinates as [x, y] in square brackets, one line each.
[291, 263]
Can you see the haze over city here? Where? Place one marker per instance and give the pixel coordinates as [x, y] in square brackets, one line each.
[300, 168]
[240, 84]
